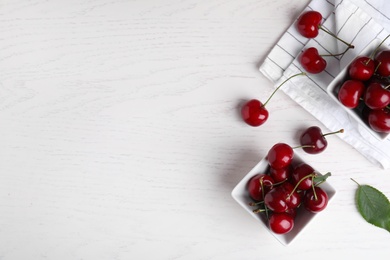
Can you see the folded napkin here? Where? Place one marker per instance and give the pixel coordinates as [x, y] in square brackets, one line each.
[358, 22]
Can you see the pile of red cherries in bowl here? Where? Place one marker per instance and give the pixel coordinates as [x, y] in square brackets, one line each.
[286, 185]
[366, 89]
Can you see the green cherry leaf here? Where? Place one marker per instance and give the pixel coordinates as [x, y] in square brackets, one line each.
[321, 178]
[373, 205]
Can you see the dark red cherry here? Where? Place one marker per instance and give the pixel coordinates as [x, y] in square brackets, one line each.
[280, 156]
[258, 185]
[315, 201]
[313, 141]
[281, 223]
[302, 176]
[293, 198]
[275, 199]
[379, 120]
[383, 61]
[362, 68]
[311, 61]
[292, 212]
[254, 113]
[281, 174]
[308, 24]
[350, 93]
[376, 96]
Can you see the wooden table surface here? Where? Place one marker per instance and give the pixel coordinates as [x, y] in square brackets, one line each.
[121, 137]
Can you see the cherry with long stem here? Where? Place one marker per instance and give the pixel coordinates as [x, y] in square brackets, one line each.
[273, 93]
[254, 112]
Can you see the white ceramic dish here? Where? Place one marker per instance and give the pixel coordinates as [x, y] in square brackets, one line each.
[338, 81]
[303, 217]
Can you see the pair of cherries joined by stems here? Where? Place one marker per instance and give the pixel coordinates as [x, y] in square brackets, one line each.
[284, 187]
[309, 25]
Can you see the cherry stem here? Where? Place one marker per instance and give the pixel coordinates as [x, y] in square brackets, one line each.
[336, 132]
[304, 146]
[377, 66]
[314, 191]
[263, 194]
[260, 210]
[299, 74]
[377, 47]
[255, 203]
[312, 175]
[334, 55]
[335, 36]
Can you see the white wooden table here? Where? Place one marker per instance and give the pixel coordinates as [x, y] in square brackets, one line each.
[121, 137]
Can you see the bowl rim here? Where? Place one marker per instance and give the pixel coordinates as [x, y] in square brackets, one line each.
[240, 195]
[343, 74]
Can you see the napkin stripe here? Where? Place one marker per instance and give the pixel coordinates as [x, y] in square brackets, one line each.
[376, 9]
[309, 77]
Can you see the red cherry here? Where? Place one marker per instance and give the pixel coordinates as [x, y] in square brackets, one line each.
[292, 212]
[302, 176]
[308, 24]
[293, 198]
[311, 61]
[376, 97]
[254, 113]
[280, 175]
[383, 60]
[313, 141]
[280, 156]
[275, 199]
[350, 93]
[281, 223]
[379, 120]
[315, 201]
[362, 68]
[258, 185]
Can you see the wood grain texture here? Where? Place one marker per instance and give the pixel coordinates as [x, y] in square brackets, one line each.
[121, 139]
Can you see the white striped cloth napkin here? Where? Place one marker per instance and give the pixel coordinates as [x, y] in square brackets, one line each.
[356, 21]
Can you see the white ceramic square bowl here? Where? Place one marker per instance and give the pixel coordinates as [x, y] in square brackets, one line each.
[303, 218]
[335, 85]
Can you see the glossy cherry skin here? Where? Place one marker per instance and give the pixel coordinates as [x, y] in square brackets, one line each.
[293, 198]
[254, 113]
[301, 171]
[258, 185]
[315, 205]
[350, 93]
[280, 156]
[379, 120]
[308, 24]
[362, 68]
[313, 136]
[275, 199]
[376, 97]
[311, 61]
[292, 212]
[280, 175]
[281, 223]
[383, 61]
